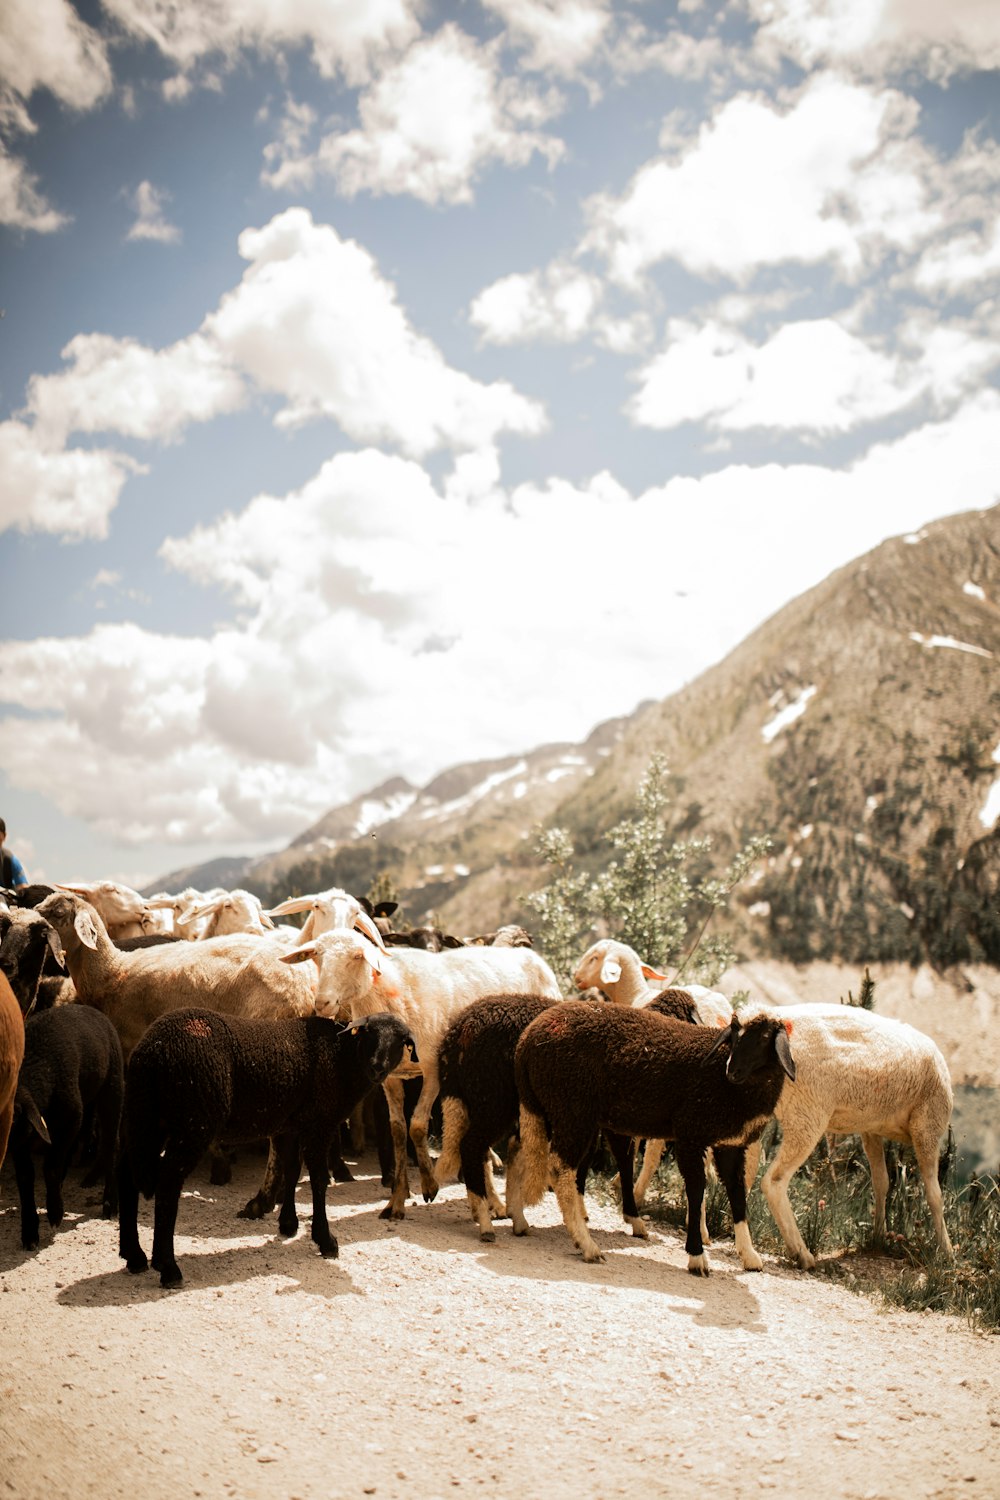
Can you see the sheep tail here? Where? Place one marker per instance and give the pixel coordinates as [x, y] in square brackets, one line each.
[533, 1157]
[456, 1123]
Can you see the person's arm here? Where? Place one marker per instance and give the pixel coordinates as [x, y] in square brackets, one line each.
[17, 875]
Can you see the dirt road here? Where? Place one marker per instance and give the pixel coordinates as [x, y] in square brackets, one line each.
[423, 1364]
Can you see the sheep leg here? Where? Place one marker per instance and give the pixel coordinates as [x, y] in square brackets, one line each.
[55, 1163]
[650, 1161]
[272, 1187]
[418, 1127]
[129, 1248]
[490, 1163]
[623, 1149]
[730, 1163]
[571, 1205]
[316, 1157]
[356, 1127]
[6, 1121]
[691, 1161]
[286, 1149]
[874, 1148]
[925, 1146]
[456, 1124]
[515, 1196]
[795, 1147]
[24, 1172]
[474, 1154]
[169, 1181]
[396, 1207]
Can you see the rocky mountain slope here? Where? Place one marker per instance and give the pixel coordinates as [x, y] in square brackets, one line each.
[859, 727]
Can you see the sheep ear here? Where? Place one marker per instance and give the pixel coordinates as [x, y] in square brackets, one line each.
[726, 1034]
[57, 948]
[33, 1115]
[83, 924]
[648, 973]
[299, 955]
[365, 925]
[611, 971]
[291, 904]
[784, 1051]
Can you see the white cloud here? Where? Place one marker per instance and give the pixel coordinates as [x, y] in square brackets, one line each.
[813, 375]
[430, 124]
[882, 35]
[148, 203]
[343, 35]
[355, 635]
[45, 45]
[558, 303]
[67, 492]
[118, 385]
[314, 321]
[763, 186]
[962, 262]
[560, 35]
[22, 205]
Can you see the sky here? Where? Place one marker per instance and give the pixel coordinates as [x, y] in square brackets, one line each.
[391, 384]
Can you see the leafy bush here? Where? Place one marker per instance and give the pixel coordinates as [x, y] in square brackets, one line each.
[647, 896]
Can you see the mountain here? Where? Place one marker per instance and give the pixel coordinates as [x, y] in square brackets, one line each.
[858, 727]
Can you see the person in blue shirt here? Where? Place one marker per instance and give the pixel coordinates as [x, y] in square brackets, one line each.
[11, 868]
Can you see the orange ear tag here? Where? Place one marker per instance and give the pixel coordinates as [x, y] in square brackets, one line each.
[375, 976]
[788, 1027]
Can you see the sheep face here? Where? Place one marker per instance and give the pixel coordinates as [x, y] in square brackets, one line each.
[384, 1039]
[755, 1046]
[349, 965]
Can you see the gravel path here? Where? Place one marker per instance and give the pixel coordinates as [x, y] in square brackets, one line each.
[423, 1364]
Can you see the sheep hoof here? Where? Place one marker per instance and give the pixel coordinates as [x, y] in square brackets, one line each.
[805, 1261]
[288, 1227]
[592, 1257]
[389, 1212]
[639, 1228]
[331, 1252]
[136, 1264]
[255, 1209]
[171, 1277]
[698, 1265]
[342, 1172]
[753, 1262]
[28, 1242]
[488, 1237]
[431, 1193]
[521, 1229]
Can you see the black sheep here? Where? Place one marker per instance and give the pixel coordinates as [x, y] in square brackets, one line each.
[581, 1067]
[29, 947]
[72, 1073]
[479, 1100]
[196, 1077]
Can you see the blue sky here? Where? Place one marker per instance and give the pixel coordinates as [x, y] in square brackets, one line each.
[388, 385]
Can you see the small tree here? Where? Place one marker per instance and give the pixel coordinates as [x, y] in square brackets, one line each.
[646, 896]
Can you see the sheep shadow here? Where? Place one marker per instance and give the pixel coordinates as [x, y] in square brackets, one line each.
[723, 1300]
[297, 1260]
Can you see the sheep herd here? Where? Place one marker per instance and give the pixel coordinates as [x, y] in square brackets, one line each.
[171, 1027]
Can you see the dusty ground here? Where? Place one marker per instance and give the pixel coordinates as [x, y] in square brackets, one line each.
[422, 1364]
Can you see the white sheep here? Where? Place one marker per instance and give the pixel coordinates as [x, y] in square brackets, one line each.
[328, 910]
[617, 969]
[124, 912]
[857, 1073]
[234, 975]
[426, 990]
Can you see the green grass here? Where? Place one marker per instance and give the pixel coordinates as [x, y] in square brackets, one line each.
[831, 1200]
